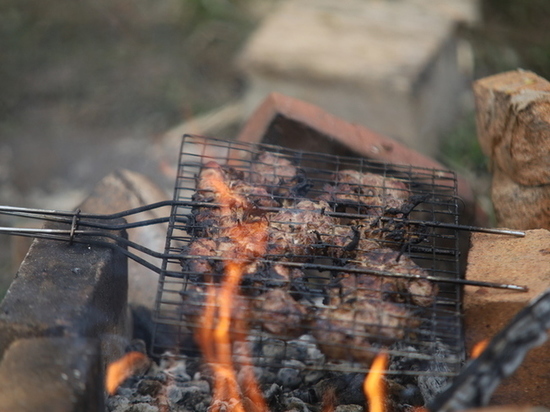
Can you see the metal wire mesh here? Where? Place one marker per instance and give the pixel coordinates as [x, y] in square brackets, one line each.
[354, 266]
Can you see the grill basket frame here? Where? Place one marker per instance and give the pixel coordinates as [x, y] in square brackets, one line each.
[438, 254]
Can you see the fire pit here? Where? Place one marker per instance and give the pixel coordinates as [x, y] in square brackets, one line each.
[285, 274]
[324, 261]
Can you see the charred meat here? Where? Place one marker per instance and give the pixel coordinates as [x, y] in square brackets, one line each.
[375, 192]
[348, 331]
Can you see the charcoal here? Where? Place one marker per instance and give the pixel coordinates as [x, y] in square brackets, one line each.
[149, 387]
[349, 408]
[295, 405]
[272, 393]
[289, 378]
[311, 377]
[141, 407]
[117, 403]
[199, 385]
[347, 388]
[273, 349]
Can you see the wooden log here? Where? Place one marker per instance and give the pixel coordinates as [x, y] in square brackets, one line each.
[513, 126]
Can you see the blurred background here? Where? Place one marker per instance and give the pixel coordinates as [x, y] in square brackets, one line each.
[89, 87]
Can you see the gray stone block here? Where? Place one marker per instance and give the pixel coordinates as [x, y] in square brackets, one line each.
[52, 374]
[64, 289]
[389, 65]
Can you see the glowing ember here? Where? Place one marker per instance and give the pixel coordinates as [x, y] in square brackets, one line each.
[374, 386]
[215, 338]
[478, 348]
[121, 369]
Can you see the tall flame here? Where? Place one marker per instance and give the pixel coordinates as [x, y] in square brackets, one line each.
[374, 386]
[249, 241]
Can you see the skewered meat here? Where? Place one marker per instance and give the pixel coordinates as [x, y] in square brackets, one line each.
[377, 192]
[278, 313]
[348, 330]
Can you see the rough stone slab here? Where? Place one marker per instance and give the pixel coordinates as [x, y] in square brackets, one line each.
[522, 261]
[124, 190]
[52, 374]
[389, 65]
[518, 206]
[513, 124]
[293, 123]
[64, 289]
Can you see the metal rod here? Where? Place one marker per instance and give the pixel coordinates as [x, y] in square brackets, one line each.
[55, 215]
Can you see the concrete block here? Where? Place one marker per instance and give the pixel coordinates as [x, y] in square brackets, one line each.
[389, 65]
[523, 261]
[52, 374]
[64, 289]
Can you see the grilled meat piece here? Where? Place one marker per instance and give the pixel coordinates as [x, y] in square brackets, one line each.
[198, 263]
[348, 330]
[294, 231]
[256, 195]
[279, 176]
[346, 241]
[271, 275]
[376, 192]
[393, 233]
[419, 291]
[360, 286]
[210, 221]
[213, 185]
[278, 313]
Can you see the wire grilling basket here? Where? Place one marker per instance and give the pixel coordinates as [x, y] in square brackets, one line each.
[332, 259]
[358, 256]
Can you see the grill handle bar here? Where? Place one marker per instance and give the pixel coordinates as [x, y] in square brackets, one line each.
[67, 216]
[62, 216]
[91, 237]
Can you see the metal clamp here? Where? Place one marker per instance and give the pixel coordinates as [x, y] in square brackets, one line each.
[74, 225]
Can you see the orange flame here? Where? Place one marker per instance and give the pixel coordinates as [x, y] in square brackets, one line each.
[214, 337]
[374, 386]
[121, 369]
[478, 348]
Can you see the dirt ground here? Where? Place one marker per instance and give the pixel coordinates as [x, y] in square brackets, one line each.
[88, 87]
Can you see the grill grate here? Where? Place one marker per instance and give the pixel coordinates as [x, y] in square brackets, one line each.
[344, 272]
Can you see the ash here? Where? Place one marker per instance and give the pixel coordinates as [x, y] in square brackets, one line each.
[302, 381]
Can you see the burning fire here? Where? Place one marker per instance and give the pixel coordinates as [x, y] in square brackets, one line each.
[374, 386]
[215, 339]
[478, 348]
[121, 369]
